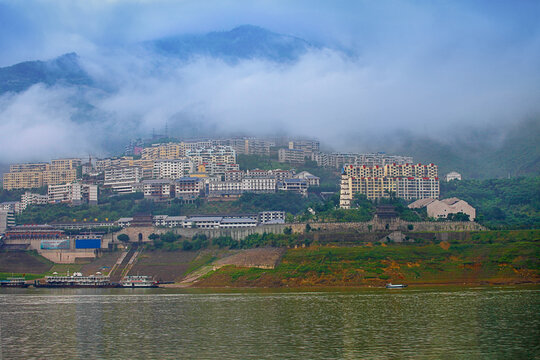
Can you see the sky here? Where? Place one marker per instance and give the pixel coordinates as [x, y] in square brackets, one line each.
[380, 68]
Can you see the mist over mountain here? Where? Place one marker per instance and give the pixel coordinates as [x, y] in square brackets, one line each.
[241, 43]
[462, 108]
[479, 153]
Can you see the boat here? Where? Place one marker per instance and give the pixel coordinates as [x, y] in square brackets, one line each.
[138, 281]
[77, 280]
[14, 282]
[395, 286]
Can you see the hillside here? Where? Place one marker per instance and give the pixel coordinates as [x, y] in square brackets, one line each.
[488, 258]
[482, 153]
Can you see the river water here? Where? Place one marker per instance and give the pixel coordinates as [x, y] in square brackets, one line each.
[416, 323]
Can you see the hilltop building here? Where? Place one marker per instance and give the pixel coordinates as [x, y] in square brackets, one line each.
[453, 175]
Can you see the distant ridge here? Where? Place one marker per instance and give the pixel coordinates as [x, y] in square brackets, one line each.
[242, 42]
[64, 69]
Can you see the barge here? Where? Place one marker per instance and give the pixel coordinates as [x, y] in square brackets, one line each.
[395, 286]
[14, 282]
[77, 280]
[138, 281]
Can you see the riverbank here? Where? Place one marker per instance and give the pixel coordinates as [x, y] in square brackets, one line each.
[483, 258]
[371, 265]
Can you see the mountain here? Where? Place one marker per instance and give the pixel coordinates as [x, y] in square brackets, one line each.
[481, 154]
[243, 42]
[64, 69]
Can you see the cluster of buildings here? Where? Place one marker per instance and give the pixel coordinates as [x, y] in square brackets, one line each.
[183, 170]
[36, 175]
[406, 181]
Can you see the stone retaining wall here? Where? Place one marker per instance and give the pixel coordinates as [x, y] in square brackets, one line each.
[141, 233]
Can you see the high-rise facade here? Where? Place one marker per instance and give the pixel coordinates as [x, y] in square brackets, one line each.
[407, 181]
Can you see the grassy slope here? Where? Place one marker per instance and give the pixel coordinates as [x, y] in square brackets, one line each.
[498, 257]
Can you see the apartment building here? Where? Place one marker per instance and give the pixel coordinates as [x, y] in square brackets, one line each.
[172, 169]
[23, 180]
[65, 164]
[121, 179]
[251, 146]
[29, 198]
[338, 160]
[217, 169]
[296, 185]
[234, 175]
[158, 189]
[224, 189]
[30, 167]
[163, 151]
[408, 181]
[308, 146]
[259, 184]
[294, 156]
[271, 217]
[411, 188]
[188, 189]
[214, 154]
[311, 179]
[35, 175]
[73, 193]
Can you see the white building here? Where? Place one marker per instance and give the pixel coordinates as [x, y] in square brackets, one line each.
[453, 175]
[297, 185]
[121, 179]
[13, 206]
[259, 184]
[172, 169]
[442, 208]
[311, 179]
[224, 188]
[74, 193]
[272, 217]
[29, 198]
[214, 154]
[158, 189]
[237, 222]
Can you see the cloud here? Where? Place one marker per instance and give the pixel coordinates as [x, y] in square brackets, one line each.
[384, 69]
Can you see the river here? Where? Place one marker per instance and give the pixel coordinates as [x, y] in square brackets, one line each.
[415, 323]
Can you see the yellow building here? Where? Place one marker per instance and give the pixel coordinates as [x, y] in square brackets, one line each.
[35, 175]
[23, 180]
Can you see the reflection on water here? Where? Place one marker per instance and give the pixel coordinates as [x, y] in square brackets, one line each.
[170, 324]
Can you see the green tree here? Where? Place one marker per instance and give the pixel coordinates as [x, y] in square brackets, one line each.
[123, 237]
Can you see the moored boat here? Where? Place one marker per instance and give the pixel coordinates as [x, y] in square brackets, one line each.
[138, 281]
[14, 282]
[395, 286]
[77, 280]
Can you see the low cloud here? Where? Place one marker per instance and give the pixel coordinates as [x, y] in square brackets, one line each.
[431, 71]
